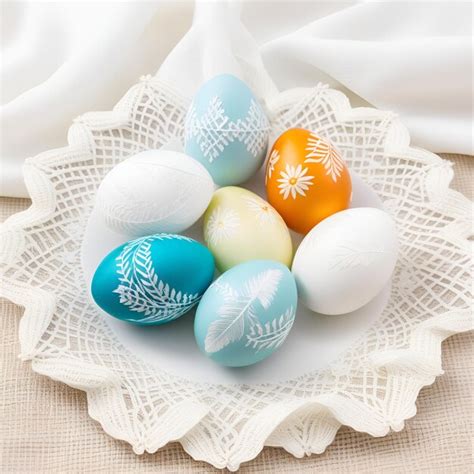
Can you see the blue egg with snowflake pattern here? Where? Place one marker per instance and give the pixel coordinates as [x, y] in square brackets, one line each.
[154, 279]
[226, 129]
[247, 313]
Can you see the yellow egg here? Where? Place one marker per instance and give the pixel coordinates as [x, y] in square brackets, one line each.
[241, 226]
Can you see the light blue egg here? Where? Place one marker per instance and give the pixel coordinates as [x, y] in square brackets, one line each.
[247, 313]
[153, 280]
[226, 130]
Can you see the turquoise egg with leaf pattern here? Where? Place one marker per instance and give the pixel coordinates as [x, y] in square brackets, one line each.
[247, 313]
[154, 279]
[226, 129]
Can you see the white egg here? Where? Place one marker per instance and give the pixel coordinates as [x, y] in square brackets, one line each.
[346, 260]
[154, 191]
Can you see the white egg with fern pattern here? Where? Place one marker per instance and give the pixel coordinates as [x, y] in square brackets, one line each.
[346, 260]
[154, 191]
[153, 280]
[247, 313]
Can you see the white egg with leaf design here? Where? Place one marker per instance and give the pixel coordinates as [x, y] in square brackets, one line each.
[247, 313]
[346, 260]
[154, 191]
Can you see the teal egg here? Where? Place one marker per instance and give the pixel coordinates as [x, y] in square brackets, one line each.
[247, 313]
[153, 280]
[227, 130]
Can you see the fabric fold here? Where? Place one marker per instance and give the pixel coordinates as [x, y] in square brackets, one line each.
[62, 60]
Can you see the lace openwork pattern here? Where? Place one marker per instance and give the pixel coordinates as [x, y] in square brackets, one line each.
[372, 387]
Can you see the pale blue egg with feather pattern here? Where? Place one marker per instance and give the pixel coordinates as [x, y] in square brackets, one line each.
[247, 313]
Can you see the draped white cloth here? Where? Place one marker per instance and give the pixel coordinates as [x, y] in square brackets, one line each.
[59, 60]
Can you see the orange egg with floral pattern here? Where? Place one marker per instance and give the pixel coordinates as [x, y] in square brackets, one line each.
[306, 179]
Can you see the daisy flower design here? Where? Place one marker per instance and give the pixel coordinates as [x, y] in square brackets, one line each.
[222, 224]
[263, 211]
[272, 161]
[294, 181]
[320, 151]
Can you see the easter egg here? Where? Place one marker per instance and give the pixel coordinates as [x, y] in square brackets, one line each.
[247, 313]
[306, 179]
[154, 191]
[241, 226]
[226, 130]
[346, 260]
[153, 280]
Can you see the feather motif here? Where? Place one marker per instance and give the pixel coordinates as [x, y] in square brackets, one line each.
[238, 309]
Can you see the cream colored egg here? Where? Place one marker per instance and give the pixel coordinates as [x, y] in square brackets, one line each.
[154, 191]
[241, 226]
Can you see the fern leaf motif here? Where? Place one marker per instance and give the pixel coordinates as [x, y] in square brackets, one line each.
[141, 289]
[214, 130]
[272, 161]
[272, 334]
[238, 309]
[349, 257]
[319, 151]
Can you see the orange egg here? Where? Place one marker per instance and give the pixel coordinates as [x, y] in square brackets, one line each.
[306, 179]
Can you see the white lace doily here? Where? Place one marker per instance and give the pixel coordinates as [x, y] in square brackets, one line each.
[373, 385]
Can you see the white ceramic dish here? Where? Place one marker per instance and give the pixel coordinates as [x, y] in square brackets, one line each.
[314, 341]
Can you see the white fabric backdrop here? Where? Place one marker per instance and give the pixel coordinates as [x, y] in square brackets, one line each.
[62, 59]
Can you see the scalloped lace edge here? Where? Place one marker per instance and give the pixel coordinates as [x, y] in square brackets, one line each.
[408, 370]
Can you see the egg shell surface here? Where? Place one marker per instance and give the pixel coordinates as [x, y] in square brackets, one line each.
[226, 130]
[154, 191]
[346, 260]
[153, 280]
[241, 226]
[306, 179]
[247, 313]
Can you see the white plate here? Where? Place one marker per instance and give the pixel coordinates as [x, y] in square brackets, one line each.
[313, 343]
